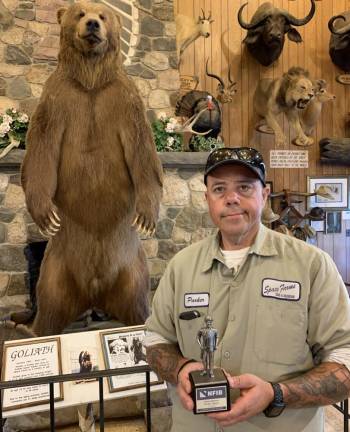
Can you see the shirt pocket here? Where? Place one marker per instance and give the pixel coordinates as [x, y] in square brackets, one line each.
[187, 338]
[280, 332]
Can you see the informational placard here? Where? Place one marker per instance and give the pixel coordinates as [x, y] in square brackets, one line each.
[123, 348]
[188, 82]
[289, 159]
[32, 359]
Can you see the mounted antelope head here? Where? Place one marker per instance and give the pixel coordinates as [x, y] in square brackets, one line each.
[224, 95]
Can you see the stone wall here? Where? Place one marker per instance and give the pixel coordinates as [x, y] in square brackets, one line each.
[29, 42]
[183, 220]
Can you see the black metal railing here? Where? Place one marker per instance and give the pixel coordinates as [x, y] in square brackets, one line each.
[99, 375]
[343, 407]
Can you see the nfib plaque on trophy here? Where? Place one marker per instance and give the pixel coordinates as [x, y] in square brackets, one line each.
[210, 388]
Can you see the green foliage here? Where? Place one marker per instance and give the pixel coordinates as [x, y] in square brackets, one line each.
[202, 144]
[13, 126]
[165, 137]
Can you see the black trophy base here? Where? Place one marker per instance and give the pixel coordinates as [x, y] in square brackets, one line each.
[210, 394]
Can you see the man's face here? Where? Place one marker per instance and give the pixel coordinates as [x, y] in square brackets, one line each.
[235, 198]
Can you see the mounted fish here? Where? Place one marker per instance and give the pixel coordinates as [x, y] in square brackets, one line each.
[339, 44]
[188, 29]
[267, 29]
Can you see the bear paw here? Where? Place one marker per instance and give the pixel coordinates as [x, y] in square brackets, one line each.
[144, 225]
[47, 219]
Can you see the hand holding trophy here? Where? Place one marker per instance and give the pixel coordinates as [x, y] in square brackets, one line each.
[210, 388]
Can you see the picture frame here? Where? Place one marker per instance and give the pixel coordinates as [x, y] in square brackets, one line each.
[31, 359]
[122, 347]
[83, 359]
[333, 222]
[338, 187]
[318, 225]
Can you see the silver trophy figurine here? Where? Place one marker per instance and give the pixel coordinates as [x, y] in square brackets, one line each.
[210, 388]
[207, 339]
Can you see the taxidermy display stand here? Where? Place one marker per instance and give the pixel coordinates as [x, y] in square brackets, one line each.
[293, 219]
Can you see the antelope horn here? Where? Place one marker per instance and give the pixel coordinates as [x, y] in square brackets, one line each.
[212, 75]
[203, 17]
[232, 83]
[301, 21]
[340, 31]
[246, 26]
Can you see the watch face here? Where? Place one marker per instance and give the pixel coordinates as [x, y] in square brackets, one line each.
[274, 410]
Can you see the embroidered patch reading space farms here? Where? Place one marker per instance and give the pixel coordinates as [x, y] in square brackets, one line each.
[282, 290]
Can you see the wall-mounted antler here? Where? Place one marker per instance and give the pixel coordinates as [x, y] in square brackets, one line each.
[187, 126]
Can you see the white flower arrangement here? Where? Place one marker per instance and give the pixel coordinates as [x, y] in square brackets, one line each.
[165, 137]
[13, 129]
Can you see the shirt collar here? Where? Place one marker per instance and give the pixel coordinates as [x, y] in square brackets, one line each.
[263, 245]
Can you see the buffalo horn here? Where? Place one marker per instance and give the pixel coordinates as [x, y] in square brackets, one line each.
[244, 24]
[302, 21]
[341, 30]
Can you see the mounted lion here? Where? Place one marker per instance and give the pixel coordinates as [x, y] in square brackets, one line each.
[289, 94]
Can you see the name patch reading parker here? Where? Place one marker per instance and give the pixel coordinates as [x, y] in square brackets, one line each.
[196, 299]
[282, 290]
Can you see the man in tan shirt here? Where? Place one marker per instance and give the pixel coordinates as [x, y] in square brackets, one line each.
[280, 307]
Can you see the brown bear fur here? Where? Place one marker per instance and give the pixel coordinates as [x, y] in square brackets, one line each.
[91, 157]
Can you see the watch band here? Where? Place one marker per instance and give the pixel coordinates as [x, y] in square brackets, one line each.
[277, 405]
[278, 393]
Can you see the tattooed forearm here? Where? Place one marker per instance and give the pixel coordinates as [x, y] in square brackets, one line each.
[165, 360]
[324, 385]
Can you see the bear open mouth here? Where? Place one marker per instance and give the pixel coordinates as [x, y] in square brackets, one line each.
[301, 104]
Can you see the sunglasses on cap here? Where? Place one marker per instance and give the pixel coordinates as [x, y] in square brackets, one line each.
[246, 156]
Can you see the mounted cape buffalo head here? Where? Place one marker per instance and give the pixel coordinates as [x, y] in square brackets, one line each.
[339, 43]
[267, 29]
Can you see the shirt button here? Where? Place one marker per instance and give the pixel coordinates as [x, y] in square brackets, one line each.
[232, 318]
[227, 354]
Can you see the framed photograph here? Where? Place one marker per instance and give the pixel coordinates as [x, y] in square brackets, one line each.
[31, 359]
[83, 360]
[333, 223]
[318, 225]
[334, 192]
[123, 348]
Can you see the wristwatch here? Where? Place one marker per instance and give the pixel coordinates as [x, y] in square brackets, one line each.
[277, 405]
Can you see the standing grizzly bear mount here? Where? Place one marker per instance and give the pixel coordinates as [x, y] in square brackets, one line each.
[91, 177]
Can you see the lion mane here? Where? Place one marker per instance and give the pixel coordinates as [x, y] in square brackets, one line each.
[296, 89]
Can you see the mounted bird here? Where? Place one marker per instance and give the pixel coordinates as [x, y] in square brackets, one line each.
[196, 101]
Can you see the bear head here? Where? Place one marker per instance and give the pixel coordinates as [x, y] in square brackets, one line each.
[92, 29]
